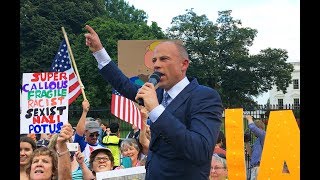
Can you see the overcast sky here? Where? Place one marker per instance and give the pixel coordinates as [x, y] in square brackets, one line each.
[277, 21]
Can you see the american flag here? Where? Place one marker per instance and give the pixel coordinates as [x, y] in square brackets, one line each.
[62, 63]
[125, 109]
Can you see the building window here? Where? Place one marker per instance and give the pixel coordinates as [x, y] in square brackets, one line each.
[280, 103]
[296, 103]
[296, 84]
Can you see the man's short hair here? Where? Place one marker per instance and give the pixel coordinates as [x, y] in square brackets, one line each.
[114, 127]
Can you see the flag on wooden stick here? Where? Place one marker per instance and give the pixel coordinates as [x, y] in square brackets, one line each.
[62, 63]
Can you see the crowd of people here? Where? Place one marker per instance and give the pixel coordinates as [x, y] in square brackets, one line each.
[45, 156]
[53, 159]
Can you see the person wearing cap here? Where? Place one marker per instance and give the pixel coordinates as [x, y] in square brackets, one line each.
[87, 133]
[101, 160]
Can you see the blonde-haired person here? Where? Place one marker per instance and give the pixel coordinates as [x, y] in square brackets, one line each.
[218, 169]
[43, 164]
[47, 164]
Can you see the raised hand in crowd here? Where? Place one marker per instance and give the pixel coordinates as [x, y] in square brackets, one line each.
[87, 132]
[257, 127]
[64, 162]
[86, 172]
[249, 118]
[48, 164]
[80, 128]
[145, 135]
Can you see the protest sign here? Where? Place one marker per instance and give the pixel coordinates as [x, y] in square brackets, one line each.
[136, 173]
[44, 102]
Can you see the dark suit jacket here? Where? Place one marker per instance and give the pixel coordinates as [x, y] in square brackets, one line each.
[184, 135]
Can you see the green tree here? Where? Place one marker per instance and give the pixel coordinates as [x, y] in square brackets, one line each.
[40, 28]
[123, 12]
[220, 58]
[113, 20]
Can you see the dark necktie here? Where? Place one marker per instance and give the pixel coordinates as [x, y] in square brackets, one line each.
[165, 99]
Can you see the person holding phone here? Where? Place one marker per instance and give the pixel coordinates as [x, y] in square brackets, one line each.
[75, 168]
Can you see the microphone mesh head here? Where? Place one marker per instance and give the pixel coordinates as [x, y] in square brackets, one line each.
[157, 75]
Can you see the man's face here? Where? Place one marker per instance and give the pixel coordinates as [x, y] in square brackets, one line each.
[167, 60]
[92, 138]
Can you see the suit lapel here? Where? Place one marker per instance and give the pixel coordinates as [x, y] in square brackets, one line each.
[182, 96]
[176, 103]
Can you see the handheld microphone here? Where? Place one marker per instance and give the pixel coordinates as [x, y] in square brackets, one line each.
[154, 79]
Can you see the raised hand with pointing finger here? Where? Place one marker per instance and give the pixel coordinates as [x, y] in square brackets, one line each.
[92, 40]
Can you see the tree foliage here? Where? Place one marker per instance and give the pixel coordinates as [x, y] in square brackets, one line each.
[113, 20]
[40, 28]
[122, 12]
[219, 54]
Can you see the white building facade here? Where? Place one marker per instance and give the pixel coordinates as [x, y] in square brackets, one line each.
[292, 97]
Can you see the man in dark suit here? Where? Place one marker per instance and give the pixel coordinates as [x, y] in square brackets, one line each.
[186, 124]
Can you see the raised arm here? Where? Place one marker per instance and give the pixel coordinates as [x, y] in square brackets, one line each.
[64, 162]
[249, 119]
[92, 40]
[143, 138]
[80, 129]
[86, 172]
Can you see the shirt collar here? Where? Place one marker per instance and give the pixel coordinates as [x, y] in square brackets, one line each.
[177, 88]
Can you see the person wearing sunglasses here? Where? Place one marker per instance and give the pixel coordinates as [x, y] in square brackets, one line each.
[87, 133]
